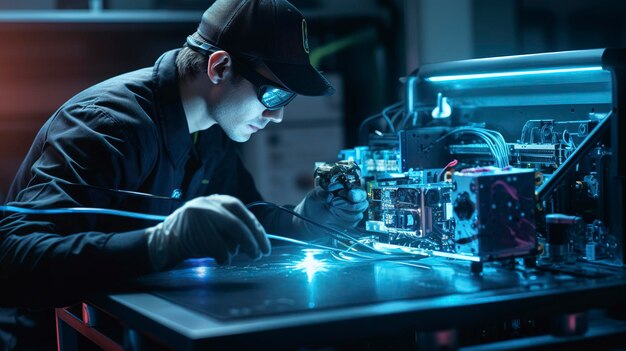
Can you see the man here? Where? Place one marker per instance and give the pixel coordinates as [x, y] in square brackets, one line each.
[160, 140]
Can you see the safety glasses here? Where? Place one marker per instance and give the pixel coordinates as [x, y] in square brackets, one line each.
[270, 95]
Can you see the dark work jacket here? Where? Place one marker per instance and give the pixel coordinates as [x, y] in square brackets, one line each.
[108, 147]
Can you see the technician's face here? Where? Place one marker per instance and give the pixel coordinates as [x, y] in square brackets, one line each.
[243, 113]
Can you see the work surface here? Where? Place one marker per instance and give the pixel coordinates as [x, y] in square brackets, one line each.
[305, 297]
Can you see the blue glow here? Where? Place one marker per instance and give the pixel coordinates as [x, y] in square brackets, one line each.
[201, 272]
[310, 265]
[511, 74]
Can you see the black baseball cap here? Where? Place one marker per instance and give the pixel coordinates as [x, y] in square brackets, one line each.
[272, 31]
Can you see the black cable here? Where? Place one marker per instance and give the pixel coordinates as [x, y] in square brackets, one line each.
[398, 113]
[332, 230]
[406, 118]
[384, 115]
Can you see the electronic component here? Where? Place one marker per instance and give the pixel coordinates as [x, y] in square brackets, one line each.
[494, 212]
[539, 155]
[415, 215]
[559, 236]
[343, 174]
[550, 131]
[373, 163]
[417, 150]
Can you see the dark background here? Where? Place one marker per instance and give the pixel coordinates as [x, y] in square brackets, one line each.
[50, 50]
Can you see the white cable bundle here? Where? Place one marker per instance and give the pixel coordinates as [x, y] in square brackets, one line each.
[494, 140]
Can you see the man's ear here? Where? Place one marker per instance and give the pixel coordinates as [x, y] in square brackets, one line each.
[220, 66]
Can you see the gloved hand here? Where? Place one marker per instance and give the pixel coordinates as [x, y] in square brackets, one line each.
[215, 226]
[339, 212]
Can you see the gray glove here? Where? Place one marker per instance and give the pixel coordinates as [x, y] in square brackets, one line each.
[340, 212]
[215, 226]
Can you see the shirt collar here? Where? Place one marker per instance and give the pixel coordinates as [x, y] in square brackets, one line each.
[170, 112]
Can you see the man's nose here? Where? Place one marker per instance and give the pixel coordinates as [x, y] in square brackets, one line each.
[275, 116]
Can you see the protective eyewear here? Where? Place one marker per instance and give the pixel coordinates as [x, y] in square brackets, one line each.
[270, 95]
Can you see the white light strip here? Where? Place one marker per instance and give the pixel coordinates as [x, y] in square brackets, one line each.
[454, 255]
[510, 74]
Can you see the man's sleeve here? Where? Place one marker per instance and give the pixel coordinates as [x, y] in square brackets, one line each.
[39, 269]
[55, 259]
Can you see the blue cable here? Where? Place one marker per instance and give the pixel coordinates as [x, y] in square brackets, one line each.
[150, 217]
[160, 218]
[88, 210]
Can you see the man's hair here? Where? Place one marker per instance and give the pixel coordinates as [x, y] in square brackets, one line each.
[190, 63]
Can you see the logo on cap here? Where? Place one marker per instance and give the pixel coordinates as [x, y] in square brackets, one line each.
[305, 39]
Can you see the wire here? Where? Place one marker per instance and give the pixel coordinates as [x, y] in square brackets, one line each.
[494, 140]
[84, 210]
[151, 217]
[451, 164]
[363, 124]
[341, 256]
[354, 241]
[304, 243]
[398, 113]
[158, 218]
[384, 115]
[406, 118]
[569, 141]
[334, 231]
[138, 215]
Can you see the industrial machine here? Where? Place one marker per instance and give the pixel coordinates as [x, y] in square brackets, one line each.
[483, 154]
